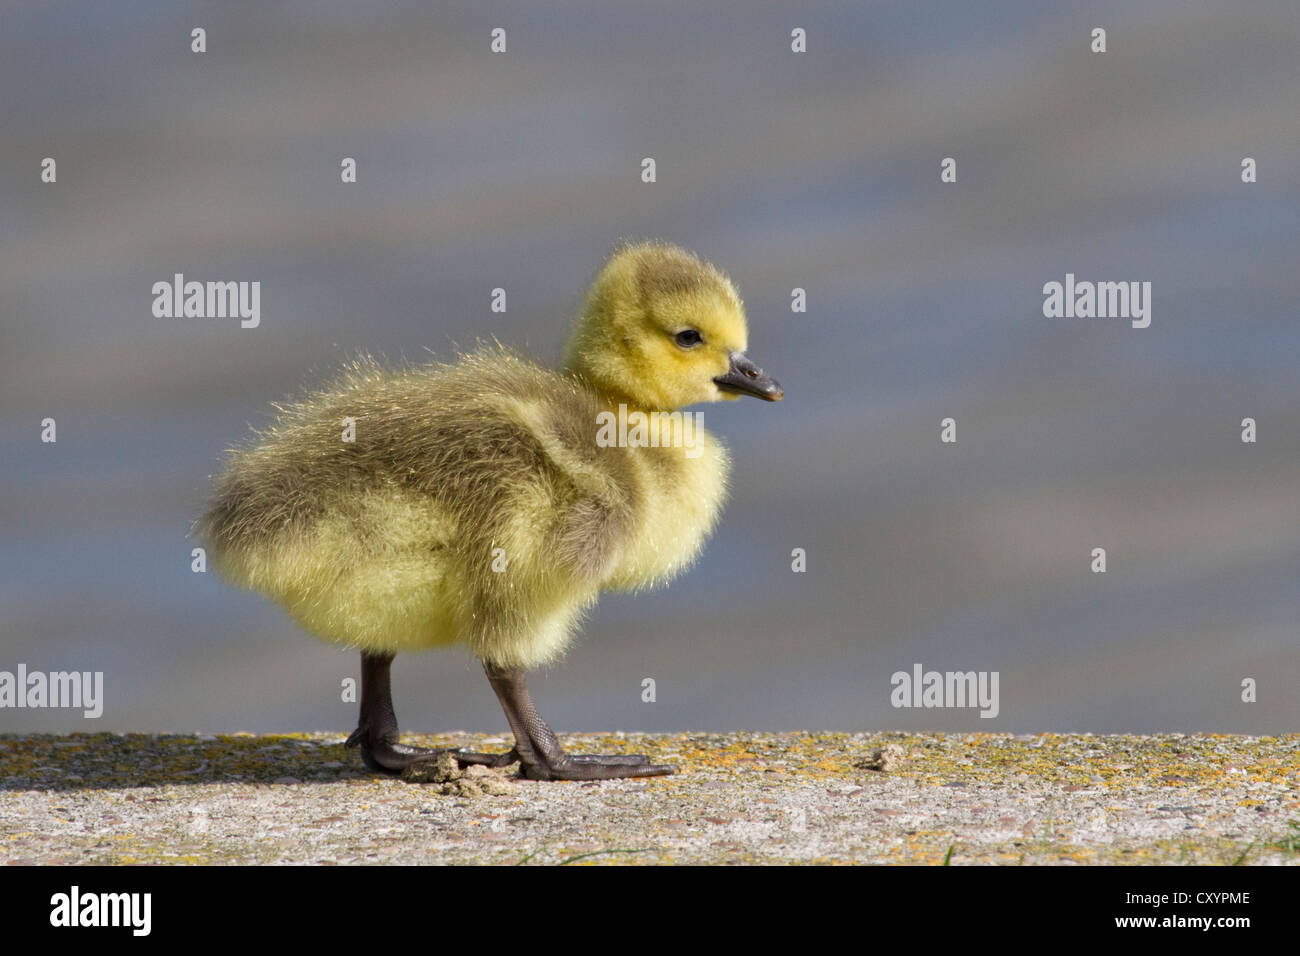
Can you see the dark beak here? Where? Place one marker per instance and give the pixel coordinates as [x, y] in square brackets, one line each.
[746, 378]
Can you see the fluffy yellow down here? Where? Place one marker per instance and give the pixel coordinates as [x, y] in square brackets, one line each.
[475, 504]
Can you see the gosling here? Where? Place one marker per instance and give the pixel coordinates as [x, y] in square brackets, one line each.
[490, 501]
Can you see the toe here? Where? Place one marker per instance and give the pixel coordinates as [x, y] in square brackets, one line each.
[569, 769]
[632, 759]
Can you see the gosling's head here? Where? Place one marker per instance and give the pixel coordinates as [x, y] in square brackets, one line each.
[662, 329]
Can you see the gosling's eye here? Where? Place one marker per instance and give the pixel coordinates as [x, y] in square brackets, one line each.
[688, 338]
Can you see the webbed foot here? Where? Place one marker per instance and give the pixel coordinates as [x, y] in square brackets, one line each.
[540, 755]
[384, 754]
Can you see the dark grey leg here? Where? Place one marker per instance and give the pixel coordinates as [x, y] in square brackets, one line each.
[377, 733]
[540, 753]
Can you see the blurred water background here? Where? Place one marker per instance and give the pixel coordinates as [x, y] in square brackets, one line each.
[818, 170]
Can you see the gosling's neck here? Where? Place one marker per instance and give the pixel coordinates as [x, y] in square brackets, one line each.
[597, 378]
[607, 397]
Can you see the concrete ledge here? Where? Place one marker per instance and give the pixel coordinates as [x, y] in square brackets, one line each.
[741, 798]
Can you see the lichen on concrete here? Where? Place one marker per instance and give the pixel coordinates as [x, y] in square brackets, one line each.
[740, 798]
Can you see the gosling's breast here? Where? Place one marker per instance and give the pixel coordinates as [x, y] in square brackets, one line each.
[682, 488]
